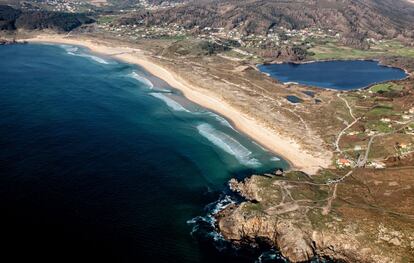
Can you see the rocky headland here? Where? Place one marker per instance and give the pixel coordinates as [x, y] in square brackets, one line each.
[366, 217]
[11, 42]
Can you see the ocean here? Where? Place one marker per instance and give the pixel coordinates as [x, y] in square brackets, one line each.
[102, 162]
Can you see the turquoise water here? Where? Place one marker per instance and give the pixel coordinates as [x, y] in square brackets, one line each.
[101, 161]
[340, 75]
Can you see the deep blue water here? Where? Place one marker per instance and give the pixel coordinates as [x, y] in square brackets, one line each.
[102, 162]
[340, 75]
[293, 99]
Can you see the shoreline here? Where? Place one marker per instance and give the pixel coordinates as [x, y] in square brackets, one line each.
[285, 147]
[380, 63]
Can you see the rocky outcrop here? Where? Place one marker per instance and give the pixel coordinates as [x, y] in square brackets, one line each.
[11, 42]
[285, 53]
[287, 213]
[12, 19]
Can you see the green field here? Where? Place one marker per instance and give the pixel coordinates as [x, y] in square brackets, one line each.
[385, 87]
[331, 49]
[379, 126]
[381, 111]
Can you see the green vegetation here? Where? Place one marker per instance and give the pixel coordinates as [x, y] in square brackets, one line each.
[382, 110]
[210, 48]
[236, 55]
[386, 87]
[324, 176]
[253, 207]
[395, 48]
[379, 126]
[105, 19]
[330, 48]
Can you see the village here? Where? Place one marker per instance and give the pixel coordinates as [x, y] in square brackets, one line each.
[376, 132]
[62, 5]
[275, 37]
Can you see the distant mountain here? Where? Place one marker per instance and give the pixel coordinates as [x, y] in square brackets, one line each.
[353, 18]
[11, 19]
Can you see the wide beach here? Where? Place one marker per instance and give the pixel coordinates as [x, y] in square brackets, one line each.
[267, 137]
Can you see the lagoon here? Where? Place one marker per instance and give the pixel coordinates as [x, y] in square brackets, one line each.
[339, 75]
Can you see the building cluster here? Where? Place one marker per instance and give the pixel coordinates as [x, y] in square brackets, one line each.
[137, 31]
[165, 4]
[274, 38]
[66, 6]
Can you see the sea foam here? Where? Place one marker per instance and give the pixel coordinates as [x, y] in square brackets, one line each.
[169, 102]
[228, 144]
[222, 120]
[213, 209]
[141, 79]
[72, 50]
[95, 58]
[205, 226]
[69, 49]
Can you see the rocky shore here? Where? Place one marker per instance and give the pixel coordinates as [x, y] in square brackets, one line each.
[11, 42]
[304, 218]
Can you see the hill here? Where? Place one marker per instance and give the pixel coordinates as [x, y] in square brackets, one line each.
[11, 19]
[354, 19]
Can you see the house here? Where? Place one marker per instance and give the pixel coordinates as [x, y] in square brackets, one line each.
[386, 120]
[342, 162]
[376, 165]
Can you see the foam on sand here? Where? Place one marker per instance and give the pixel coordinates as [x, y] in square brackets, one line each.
[228, 144]
[169, 102]
[141, 79]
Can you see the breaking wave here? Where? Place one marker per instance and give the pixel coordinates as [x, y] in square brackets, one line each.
[222, 120]
[204, 226]
[228, 144]
[141, 79]
[205, 229]
[270, 256]
[169, 102]
[71, 50]
[95, 58]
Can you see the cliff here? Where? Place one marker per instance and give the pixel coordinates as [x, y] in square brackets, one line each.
[367, 217]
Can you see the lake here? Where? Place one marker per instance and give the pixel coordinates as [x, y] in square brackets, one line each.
[339, 75]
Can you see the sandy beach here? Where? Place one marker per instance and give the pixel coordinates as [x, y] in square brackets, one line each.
[269, 138]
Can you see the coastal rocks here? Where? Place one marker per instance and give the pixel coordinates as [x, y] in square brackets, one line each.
[286, 213]
[248, 191]
[11, 42]
[293, 242]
